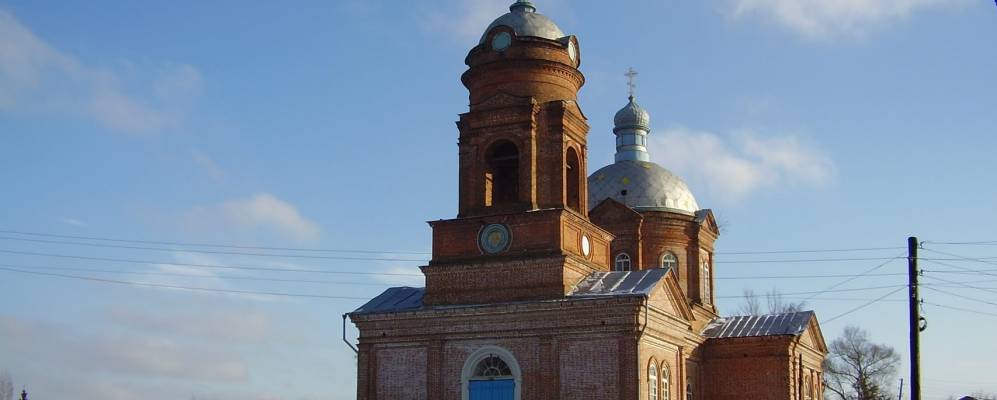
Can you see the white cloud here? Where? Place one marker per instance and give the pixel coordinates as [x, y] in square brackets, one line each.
[734, 168]
[828, 18]
[267, 211]
[262, 213]
[38, 79]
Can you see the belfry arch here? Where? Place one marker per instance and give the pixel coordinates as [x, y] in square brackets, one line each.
[501, 173]
[573, 176]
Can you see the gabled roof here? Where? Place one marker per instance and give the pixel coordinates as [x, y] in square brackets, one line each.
[787, 324]
[619, 283]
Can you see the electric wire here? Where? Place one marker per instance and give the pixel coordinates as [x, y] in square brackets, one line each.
[963, 284]
[961, 309]
[191, 288]
[193, 244]
[234, 267]
[806, 251]
[177, 274]
[839, 284]
[871, 302]
[960, 296]
[237, 253]
[798, 260]
[822, 291]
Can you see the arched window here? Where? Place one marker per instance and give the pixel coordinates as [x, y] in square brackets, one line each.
[665, 382]
[669, 260]
[502, 174]
[491, 373]
[807, 388]
[707, 283]
[572, 180]
[622, 262]
[652, 382]
[688, 391]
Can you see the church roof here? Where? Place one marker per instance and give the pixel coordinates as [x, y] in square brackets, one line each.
[598, 284]
[525, 21]
[619, 283]
[786, 324]
[641, 185]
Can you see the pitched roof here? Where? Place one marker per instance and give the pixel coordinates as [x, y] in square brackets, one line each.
[394, 299]
[598, 284]
[759, 325]
[619, 283]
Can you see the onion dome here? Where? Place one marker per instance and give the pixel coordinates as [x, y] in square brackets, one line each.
[632, 116]
[633, 179]
[524, 20]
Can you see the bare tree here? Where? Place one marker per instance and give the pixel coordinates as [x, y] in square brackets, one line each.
[6, 386]
[856, 369]
[776, 303]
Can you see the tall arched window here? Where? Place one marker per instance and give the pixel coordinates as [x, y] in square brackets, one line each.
[622, 262]
[502, 174]
[669, 260]
[572, 180]
[707, 283]
[491, 373]
[665, 382]
[688, 391]
[652, 381]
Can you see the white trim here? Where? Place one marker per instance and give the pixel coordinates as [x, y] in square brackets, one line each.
[482, 353]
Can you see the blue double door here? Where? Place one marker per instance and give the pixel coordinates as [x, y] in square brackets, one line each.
[500, 389]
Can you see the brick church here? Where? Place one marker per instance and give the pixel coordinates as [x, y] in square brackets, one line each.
[551, 284]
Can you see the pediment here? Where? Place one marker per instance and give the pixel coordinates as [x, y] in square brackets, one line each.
[813, 337]
[612, 210]
[706, 219]
[669, 298]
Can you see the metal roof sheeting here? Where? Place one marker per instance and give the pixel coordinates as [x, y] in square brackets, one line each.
[759, 325]
[619, 283]
[394, 299]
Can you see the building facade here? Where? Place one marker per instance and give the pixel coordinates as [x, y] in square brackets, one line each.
[551, 284]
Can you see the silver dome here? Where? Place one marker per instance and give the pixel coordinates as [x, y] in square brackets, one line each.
[632, 116]
[524, 20]
[641, 185]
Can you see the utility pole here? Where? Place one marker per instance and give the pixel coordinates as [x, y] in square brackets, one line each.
[915, 320]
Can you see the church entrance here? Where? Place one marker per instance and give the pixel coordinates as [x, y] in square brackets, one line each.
[492, 380]
[503, 389]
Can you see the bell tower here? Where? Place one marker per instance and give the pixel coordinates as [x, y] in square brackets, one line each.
[522, 230]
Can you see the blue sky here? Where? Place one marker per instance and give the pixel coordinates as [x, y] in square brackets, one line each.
[803, 124]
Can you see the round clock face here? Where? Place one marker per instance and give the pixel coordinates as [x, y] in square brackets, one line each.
[494, 238]
[586, 246]
[572, 51]
[501, 41]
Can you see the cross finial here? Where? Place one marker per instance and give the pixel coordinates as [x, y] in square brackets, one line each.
[631, 74]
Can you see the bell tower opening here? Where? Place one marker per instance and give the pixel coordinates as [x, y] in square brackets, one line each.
[502, 174]
[572, 178]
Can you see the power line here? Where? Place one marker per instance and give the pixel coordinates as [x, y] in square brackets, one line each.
[871, 302]
[961, 309]
[962, 258]
[193, 244]
[962, 296]
[821, 291]
[199, 289]
[803, 276]
[177, 274]
[807, 251]
[870, 270]
[964, 284]
[237, 253]
[979, 243]
[238, 267]
[805, 260]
